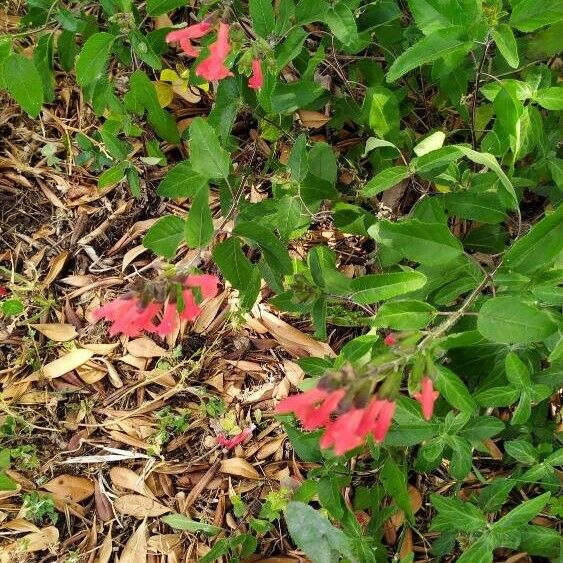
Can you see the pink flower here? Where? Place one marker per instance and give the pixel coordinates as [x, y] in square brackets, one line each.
[256, 81]
[169, 320]
[184, 35]
[312, 408]
[213, 67]
[342, 433]
[241, 437]
[128, 315]
[427, 397]
[206, 282]
[390, 340]
[3, 291]
[383, 422]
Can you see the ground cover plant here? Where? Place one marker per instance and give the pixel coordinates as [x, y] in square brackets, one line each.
[281, 281]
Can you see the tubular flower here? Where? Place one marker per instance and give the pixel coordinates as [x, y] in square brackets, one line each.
[241, 437]
[183, 36]
[390, 340]
[383, 421]
[213, 67]
[132, 315]
[256, 81]
[426, 397]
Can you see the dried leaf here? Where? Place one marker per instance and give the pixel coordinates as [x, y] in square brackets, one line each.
[139, 506]
[144, 348]
[57, 264]
[70, 487]
[105, 550]
[240, 467]
[128, 479]
[164, 543]
[313, 119]
[135, 550]
[57, 332]
[62, 365]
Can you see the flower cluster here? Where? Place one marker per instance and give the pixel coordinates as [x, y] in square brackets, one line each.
[347, 428]
[213, 67]
[241, 437]
[136, 312]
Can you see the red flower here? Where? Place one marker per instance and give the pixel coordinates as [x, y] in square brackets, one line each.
[241, 437]
[390, 340]
[131, 316]
[184, 35]
[342, 433]
[3, 291]
[213, 67]
[384, 419]
[427, 397]
[256, 81]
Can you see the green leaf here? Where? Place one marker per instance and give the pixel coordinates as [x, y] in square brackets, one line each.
[455, 515]
[523, 409]
[493, 496]
[159, 7]
[523, 513]
[164, 237]
[437, 45]
[181, 181]
[490, 162]
[461, 457]
[482, 427]
[298, 163]
[342, 23]
[305, 444]
[6, 484]
[480, 551]
[315, 535]
[181, 522]
[408, 314]
[275, 253]
[529, 15]
[508, 320]
[539, 247]
[506, 44]
[475, 206]
[308, 11]
[381, 110]
[378, 287]
[113, 175]
[427, 243]
[207, 157]
[540, 541]
[454, 390]
[516, 371]
[522, 451]
[432, 15]
[384, 180]
[134, 182]
[23, 81]
[497, 396]
[550, 98]
[234, 265]
[12, 307]
[431, 143]
[291, 47]
[92, 60]
[199, 222]
[394, 482]
[262, 14]
[143, 49]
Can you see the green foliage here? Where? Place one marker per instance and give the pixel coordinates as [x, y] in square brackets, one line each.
[436, 167]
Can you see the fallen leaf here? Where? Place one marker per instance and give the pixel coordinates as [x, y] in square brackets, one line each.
[239, 466]
[164, 543]
[144, 348]
[139, 506]
[135, 550]
[70, 487]
[313, 119]
[57, 332]
[105, 551]
[128, 479]
[62, 365]
[57, 264]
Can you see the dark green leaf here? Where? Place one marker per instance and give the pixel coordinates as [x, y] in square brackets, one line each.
[395, 484]
[199, 222]
[234, 265]
[262, 14]
[455, 515]
[159, 7]
[181, 181]
[23, 81]
[207, 157]
[378, 287]
[384, 180]
[454, 390]
[93, 58]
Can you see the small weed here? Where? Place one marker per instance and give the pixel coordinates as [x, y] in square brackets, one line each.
[39, 508]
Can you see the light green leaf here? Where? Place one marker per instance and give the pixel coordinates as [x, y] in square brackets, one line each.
[207, 157]
[523, 513]
[523, 452]
[550, 98]
[431, 143]
[23, 81]
[113, 175]
[342, 23]
[529, 15]
[539, 247]
[181, 522]
[506, 44]
[375, 143]
[432, 15]
[516, 371]
[497, 396]
[408, 314]
[181, 181]
[381, 109]
[394, 482]
[93, 58]
[262, 15]
[378, 287]
[384, 180]
[454, 390]
[508, 320]
[456, 515]
[199, 222]
[164, 237]
[437, 45]
[428, 243]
